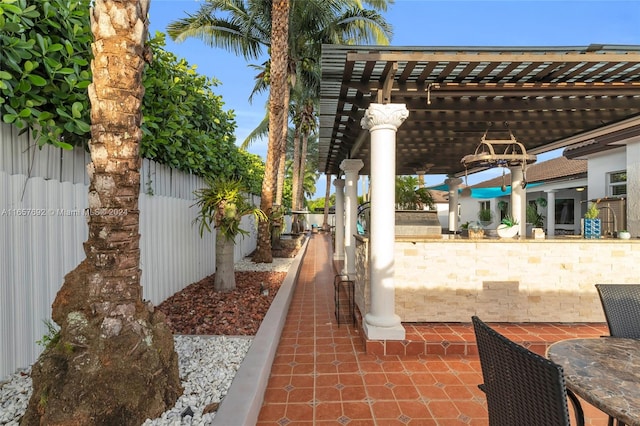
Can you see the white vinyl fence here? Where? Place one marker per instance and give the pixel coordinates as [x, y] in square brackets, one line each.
[43, 194]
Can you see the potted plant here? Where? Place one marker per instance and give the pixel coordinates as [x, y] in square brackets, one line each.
[624, 234]
[591, 222]
[534, 219]
[475, 231]
[507, 227]
[464, 229]
[485, 216]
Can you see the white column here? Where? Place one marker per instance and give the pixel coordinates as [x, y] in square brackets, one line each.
[518, 200]
[350, 168]
[338, 251]
[381, 322]
[633, 187]
[453, 184]
[551, 212]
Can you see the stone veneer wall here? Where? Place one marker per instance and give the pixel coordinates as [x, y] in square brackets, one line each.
[502, 280]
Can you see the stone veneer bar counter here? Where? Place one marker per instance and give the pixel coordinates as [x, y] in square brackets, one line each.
[449, 279]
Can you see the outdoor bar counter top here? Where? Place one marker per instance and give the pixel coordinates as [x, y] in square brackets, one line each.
[513, 280]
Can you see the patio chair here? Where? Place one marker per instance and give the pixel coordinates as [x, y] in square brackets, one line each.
[521, 387]
[621, 305]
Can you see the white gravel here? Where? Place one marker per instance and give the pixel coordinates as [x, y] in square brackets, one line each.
[279, 264]
[207, 366]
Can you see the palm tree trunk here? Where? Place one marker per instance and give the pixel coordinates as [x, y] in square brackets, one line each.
[225, 277]
[283, 141]
[302, 170]
[325, 223]
[280, 178]
[114, 361]
[295, 205]
[277, 114]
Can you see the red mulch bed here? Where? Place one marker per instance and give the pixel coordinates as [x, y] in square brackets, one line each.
[199, 310]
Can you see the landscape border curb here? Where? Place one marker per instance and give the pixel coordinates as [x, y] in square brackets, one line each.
[241, 406]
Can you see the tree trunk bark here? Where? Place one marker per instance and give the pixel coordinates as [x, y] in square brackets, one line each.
[325, 223]
[225, 278]
[277, 113]
[285, 133]
[114, 361]
[295, 205]
[303, 168]
[280, 179]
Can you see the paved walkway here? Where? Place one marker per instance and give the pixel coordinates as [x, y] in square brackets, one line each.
[322, 376]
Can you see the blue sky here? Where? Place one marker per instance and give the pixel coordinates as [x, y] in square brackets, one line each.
[422, 23]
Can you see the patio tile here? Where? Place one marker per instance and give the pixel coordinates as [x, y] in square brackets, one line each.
[328, 375]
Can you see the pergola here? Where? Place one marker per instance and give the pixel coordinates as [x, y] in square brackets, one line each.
[546, 96]
[388, 111]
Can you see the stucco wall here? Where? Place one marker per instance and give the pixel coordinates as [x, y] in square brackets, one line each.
[602, 164]
[515, 281]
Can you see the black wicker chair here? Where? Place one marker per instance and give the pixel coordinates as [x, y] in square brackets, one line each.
[621, 306]
[521, 387]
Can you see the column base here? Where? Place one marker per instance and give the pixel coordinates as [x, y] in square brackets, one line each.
[376, 332]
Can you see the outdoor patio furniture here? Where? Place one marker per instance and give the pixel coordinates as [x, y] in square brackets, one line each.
[344, 295]
[604, 372]
[521, 387]
[621, 305]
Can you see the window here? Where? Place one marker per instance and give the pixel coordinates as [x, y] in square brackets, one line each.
[485, 205]
[564, 211]
[617, 184]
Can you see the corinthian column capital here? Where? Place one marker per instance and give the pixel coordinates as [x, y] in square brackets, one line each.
[384, 115]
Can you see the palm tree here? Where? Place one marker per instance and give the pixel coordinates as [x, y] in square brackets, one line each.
[306, 129]
[222, 203]
[113, 360]
[245, 27]
[278, 106]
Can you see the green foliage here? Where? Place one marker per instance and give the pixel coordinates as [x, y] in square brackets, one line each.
[45, 56]
[184, 124]
[509, 221]
[223, 203]
[592, 211]
[52, 337]
[533, 216]
[410, 198]
[485, 215]
[317, 205]
[251, 169]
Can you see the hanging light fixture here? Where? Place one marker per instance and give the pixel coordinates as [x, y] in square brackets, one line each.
[500, 153]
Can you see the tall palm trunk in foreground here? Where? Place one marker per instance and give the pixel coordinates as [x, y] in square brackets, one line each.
[277, 113]
[113, 362]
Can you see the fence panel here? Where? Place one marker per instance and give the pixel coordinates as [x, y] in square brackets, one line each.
[43, 228]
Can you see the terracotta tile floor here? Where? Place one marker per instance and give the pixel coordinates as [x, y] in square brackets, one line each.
[321, 374]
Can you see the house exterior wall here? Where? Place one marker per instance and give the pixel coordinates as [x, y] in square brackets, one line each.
[469, 206]
[598, 167]
[633, 187]
[548, 280]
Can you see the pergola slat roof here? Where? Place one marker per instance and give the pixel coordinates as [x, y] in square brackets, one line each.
[454, 94]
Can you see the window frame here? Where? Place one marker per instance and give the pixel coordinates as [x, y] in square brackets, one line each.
[611, 185]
